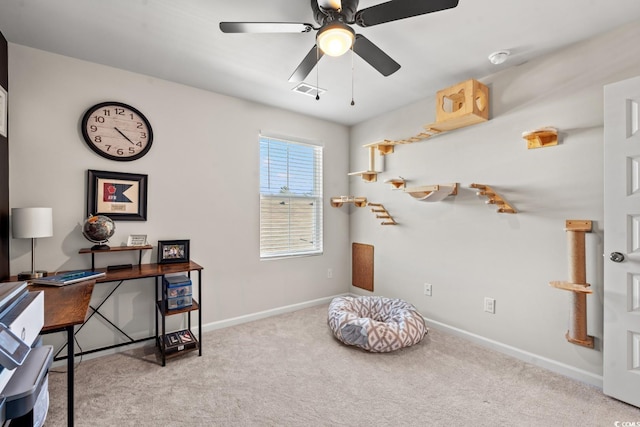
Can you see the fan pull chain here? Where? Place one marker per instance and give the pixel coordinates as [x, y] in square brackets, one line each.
[352, 101]
[317, 73]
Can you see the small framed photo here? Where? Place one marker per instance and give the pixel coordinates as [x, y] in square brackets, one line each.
[170, 251]
[120, 196]
[3, 112]
[137, 240]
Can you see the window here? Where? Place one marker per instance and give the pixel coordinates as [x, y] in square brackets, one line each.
[290, 198]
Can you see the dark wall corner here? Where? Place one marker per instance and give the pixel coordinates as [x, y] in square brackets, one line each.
[4, 170]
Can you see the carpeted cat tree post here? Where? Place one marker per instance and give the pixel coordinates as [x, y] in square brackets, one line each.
[577, 283]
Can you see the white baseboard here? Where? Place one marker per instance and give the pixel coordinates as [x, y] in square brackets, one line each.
[534, 359]
[267, 313]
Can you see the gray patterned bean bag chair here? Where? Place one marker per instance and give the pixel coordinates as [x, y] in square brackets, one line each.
[376, 324]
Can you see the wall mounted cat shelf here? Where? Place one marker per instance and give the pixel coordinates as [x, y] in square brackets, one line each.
[543, 137]
[370, 175]
[396, 183]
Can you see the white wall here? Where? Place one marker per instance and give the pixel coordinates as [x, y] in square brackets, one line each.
[203, 186]
[462, 246]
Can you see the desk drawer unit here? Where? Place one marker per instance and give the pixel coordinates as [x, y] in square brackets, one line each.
[178, 291]
[180, 302]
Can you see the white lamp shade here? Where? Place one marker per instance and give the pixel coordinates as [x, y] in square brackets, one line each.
[28, 223]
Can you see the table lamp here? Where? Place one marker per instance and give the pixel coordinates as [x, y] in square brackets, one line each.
[31, 223]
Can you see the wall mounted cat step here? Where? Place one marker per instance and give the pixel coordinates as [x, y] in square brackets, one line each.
[381, 213]
[577, 283]
[494, 198]
[432, 193]
[458, 106]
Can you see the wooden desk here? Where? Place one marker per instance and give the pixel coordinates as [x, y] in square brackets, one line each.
[65, 307]
[142, 271]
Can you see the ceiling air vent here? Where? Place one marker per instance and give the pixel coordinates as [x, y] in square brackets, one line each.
[307, 89]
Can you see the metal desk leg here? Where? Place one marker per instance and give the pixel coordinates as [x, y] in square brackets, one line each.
[70, 380]
[200, 311]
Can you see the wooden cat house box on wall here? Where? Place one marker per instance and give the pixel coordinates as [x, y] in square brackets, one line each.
[461, 105]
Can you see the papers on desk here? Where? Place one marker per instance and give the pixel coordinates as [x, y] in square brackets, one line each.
[68, 278]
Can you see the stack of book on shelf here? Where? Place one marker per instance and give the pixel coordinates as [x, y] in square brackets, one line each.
[179, 341]
[177, 291]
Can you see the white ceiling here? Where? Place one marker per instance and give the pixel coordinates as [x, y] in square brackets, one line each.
[180, 41]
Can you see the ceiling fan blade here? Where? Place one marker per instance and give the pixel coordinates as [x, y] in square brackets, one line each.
[330, 4]
[265, 27]
[375, 56]
[306, 65]
[400, 9]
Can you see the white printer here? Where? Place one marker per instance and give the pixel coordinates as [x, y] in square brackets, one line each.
[24, 362]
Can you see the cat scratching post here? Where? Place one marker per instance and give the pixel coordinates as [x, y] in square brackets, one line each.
[577, 284]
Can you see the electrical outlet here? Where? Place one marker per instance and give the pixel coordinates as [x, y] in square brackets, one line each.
[427, 289]
[330, 273]
[490, 305]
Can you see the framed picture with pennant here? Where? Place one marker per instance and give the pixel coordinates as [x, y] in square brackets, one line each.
[120, 196]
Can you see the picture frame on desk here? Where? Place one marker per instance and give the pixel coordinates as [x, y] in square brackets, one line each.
[137, 240]
[173, 251]
[118, 195]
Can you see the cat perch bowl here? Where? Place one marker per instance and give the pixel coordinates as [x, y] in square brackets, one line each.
[432, 193]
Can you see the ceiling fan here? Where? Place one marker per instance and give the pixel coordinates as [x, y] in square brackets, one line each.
[335, 35]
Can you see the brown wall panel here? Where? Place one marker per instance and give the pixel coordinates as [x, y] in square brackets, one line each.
[362, 266]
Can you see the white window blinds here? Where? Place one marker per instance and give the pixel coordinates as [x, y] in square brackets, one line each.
[290, 198]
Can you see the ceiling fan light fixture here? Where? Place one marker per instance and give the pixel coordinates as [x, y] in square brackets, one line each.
[335, 39]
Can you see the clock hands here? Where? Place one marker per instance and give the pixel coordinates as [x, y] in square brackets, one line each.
[125, 136]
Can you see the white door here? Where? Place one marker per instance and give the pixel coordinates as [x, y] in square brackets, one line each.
[621, 371]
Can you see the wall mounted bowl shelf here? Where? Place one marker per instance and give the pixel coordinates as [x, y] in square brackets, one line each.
[359, 202]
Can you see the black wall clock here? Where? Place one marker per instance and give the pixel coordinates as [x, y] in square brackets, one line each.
[117, 131]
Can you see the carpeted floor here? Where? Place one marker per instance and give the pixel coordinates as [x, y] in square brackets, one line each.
[288, 370]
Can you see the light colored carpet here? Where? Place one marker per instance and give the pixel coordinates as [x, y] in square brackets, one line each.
[288, 370]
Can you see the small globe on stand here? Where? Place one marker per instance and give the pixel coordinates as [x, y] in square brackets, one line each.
[98, 229]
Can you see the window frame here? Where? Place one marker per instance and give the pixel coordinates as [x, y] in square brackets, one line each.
[316, 224]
